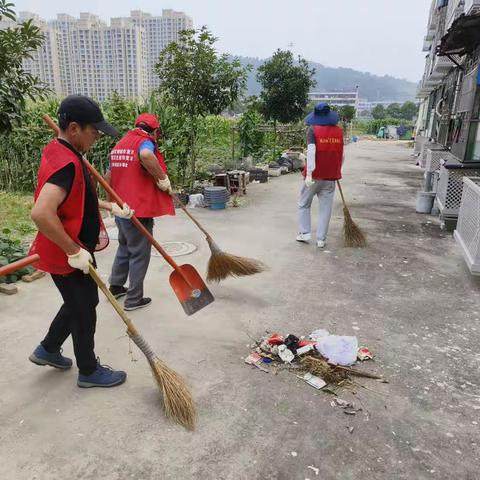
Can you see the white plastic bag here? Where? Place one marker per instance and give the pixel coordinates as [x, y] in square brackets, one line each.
[195, 200]
[338, 350]
[316, 335]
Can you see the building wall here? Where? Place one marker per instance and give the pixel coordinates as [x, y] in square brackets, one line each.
[449, 92]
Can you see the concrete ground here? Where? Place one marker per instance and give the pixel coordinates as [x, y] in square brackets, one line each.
[409, 297]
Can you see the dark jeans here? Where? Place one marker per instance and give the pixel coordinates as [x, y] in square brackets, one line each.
[78, 317]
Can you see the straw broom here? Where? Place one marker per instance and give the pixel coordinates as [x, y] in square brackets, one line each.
[176, 395]
[352, 234]
[221, 264]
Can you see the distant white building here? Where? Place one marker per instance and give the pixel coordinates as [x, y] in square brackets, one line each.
[339, 99]
[364, 106]
[86, 56]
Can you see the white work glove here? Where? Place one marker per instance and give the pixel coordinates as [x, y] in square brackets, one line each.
[81, 260]
[125, 212]
[309, 181]
[165, 185]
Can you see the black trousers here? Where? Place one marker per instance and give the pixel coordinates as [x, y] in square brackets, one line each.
[78, 317]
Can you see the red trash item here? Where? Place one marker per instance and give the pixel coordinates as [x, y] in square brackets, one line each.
[364, 354]
[275, 339]
[304, 343]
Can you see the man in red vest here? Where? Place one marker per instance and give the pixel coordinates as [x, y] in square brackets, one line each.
[138, 173]
[70, 229]
[322, 169]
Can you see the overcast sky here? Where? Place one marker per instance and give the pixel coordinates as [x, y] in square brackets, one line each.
[383, 37]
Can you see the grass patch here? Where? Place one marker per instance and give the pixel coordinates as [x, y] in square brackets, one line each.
[15, 216]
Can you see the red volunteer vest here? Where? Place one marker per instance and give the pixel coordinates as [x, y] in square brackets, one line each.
[53, 259]
[133, 183]
[328, 153]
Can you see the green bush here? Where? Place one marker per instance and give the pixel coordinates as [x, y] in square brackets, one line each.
[12, 250]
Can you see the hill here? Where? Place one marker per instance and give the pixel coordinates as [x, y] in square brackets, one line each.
[371, 87]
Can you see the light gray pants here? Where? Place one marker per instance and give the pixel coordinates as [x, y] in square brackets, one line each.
[132, 258]
[325, 191]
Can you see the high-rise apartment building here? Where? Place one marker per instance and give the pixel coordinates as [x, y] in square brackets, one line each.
[159, 32]
[86, 56]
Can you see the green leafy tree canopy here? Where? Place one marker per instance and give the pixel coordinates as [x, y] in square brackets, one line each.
[16, 85]
[378, 112]
[198, 81]
[409, 110]
[347, 113]
[285, 87]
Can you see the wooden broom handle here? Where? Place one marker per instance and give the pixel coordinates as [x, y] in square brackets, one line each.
[120, 203]
[192, 218]
[341, 194]
[19, 264]
[101, 285]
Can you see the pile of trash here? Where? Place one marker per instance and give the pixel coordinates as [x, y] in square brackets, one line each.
[320, 359]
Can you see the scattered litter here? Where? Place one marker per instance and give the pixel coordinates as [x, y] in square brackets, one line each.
[291, 342]
[294, 454]
[321, 360]
[351, 429]
[342, 403]
[364, 354]
[285, 354]
[275, 339]
[314, 469]
[314, 381]
[21, 422]
[305, 349]
[338, 350]
[254, 357]
[318, 334]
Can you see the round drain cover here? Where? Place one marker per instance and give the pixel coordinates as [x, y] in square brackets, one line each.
[176, 249]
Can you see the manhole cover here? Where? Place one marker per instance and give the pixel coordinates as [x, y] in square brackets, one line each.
[176, 249]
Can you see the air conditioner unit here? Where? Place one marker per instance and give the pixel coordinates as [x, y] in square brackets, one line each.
[472, 7]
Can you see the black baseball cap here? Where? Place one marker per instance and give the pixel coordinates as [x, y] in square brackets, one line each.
[82, 109]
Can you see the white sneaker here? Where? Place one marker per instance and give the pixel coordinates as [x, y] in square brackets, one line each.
[303, 237]
[321, 243]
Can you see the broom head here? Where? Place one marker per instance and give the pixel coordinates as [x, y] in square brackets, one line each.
[353, 236]
[222, 265]
[177, 397]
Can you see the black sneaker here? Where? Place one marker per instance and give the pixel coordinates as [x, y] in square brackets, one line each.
[117, 291]
[144, 302]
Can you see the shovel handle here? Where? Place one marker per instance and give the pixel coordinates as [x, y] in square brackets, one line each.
[120, 203]
[19, 264]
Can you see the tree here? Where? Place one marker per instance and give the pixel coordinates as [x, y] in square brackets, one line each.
[409, 110]
[285, 86]
[198, 81]
[378, 112]
[347, 113]
[251, 140]
[16, 85]
[394, 110]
